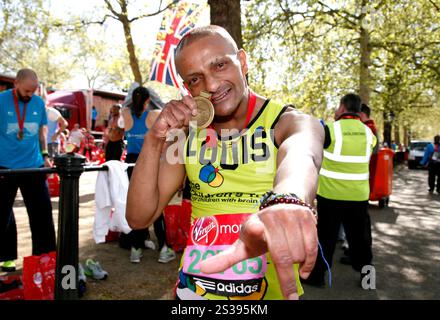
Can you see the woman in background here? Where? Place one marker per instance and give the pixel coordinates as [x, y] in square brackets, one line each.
[137, 120]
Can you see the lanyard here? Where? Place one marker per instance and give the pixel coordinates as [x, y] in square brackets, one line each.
[19, 118]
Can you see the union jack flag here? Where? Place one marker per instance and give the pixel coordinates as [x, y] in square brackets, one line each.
[175, 24]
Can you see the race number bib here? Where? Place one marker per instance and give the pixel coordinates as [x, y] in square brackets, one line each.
[210, 236]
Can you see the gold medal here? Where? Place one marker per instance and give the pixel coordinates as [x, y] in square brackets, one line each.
[205, 110]
[20, 135]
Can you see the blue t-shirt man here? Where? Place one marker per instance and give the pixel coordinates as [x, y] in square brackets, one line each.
[94, 113]
[25, 153]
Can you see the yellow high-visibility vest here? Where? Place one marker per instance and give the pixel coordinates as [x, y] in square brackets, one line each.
[344, 173]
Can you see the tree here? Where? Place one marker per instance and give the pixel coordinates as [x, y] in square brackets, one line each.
[119, 11]
[407, 70]
[101, 63]
[227, 14]
[25, 35]
[333, 46]
[21, 31]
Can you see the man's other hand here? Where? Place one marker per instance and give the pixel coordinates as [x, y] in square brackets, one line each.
[288, 232]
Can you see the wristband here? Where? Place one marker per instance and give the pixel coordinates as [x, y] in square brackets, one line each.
[44, 153]
[270, 198]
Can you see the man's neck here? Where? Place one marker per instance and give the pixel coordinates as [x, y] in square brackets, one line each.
[234, 121]
[349, 115]
[237, 120]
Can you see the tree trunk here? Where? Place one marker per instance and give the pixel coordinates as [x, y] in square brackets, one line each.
[406, 136]
[227, 14]
[365, 56]
[134, 63]
[396, 133]
[387, 129]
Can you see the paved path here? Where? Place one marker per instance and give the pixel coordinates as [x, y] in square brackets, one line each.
[406, 243]
[406, 246]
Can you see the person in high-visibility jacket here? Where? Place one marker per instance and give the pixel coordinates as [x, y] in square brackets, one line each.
[365, 118]
[343, 188]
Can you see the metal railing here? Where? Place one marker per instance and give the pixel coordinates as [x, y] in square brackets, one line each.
[69, 167]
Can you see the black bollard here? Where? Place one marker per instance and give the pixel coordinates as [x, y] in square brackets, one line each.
[69, 167]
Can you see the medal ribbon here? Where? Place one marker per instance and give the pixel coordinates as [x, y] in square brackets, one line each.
[252, 101]
[17, 111]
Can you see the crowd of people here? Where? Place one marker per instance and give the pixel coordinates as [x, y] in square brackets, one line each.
[34, 137]
[266, 181]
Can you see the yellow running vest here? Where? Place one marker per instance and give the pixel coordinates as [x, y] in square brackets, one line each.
[228, 177]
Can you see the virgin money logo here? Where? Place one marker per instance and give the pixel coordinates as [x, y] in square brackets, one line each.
[205, 231]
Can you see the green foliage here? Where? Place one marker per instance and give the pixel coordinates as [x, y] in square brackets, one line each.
[27, 39]
[308, 52]
[103, 64]
[63, 49]
[21, 32]
[304, 52]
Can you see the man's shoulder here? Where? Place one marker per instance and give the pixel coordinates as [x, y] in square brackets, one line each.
[293, 121]
[274, 104]
[52, 112]
[37, 102]
[5, 94]
[287, 116]
[291, 115]
[289, 111]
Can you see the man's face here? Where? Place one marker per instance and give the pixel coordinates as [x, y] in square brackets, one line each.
[212, 64]
[115, 111]
[26, 88]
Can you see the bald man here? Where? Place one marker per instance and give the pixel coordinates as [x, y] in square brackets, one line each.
[23, 144]
[253, 174]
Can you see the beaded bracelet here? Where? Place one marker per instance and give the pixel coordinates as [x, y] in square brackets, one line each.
[270, 198]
